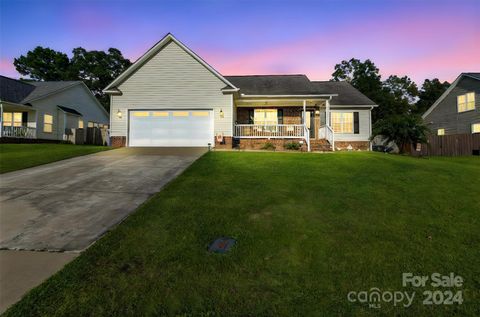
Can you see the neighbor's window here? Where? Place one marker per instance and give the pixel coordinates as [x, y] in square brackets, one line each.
[441, 132]
[80, 123]
[466, 102]
[12, 119]
[265, 116]
[47, 123]
[90, 124]
[342, 122]
[476, 128]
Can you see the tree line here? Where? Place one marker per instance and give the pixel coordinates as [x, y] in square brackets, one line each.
[400, 101]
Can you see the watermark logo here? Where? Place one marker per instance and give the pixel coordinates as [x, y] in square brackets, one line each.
[445, 291]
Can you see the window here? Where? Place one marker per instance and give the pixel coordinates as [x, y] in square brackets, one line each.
[80, 123]
[90, 124]
[265, 116]
[180, 113]
[141, 114]
[476, 128]
[12, 119]
[160, 114]
[466, 102]
[342, 122]
[47, 123]
[441, 132]
[200, 114]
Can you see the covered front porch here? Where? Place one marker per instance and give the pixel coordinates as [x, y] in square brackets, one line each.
[304, 119]
[17, 121]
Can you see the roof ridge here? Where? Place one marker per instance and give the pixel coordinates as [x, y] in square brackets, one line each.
[266, 75]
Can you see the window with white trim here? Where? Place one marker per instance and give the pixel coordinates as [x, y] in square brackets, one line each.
[441, 132]
[476, 127]
[47, 123]
[342, 122]
[12, 119]
[466, 102]
[80, 123]
[265, 116]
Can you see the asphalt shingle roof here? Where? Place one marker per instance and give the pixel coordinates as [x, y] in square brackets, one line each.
[18, 91]
[273, 84]
[347, 94]
[13, 90]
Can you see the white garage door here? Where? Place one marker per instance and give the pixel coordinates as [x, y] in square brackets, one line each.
[171, 128]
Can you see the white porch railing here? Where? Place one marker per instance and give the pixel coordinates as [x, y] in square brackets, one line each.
[281, 131]
[19, 132]
[326, 132]
[274, 131]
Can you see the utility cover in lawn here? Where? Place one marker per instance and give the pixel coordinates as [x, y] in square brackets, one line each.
[222, 245]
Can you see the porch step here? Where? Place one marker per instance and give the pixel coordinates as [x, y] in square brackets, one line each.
[321, 145]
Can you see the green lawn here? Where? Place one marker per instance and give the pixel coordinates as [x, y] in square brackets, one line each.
[18, 156]
[310, 229]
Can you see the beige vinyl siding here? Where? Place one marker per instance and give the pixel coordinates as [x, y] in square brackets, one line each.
[364, 126]
[172, 79]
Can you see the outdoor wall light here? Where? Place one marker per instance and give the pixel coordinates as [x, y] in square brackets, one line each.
[119, 114]
[221, 113]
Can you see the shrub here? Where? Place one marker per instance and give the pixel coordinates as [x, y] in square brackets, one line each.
[292, 146]
[269, 146]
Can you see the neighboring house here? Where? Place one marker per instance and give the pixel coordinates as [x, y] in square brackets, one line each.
[47, 110]
[171, 97]
[457, 111]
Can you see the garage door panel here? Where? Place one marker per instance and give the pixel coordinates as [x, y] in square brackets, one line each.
[171, 128]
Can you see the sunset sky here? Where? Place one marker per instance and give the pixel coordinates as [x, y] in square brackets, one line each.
[418, 38]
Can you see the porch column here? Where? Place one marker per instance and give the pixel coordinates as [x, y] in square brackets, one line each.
[327, 112]
[304, 112]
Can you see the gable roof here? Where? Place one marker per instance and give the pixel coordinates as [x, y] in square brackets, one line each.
[69, 110]
[13, 90]
[111, 88]
[445, 94]
[274, 85]
[347, 95]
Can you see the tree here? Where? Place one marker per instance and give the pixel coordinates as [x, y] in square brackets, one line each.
[399, 95]
[43, 64]
[431, 90]
[96, 68]
[403, 129]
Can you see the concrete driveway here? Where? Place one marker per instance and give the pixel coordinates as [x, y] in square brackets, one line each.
[68, 205]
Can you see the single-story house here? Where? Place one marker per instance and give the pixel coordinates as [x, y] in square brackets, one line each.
[47, 110]
[172, 97]
[457, 111]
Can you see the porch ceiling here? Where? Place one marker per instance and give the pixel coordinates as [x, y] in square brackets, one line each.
[280, 102]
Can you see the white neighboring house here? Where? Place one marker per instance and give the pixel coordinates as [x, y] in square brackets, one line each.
[48, 110]
[172, 97]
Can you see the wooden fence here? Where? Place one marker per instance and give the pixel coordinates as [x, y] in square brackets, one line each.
[449, 145]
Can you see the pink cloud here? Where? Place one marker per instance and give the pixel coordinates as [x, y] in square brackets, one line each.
[7, 68]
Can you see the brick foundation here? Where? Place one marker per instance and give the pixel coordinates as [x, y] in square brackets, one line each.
[118, 141]
[258, 144]
[356, 145]
[226, 144]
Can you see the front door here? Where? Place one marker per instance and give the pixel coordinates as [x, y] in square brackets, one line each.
[310, 123]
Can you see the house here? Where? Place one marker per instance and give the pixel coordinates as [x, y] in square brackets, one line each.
[457, 111]
[48, 110]
[172, 97]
